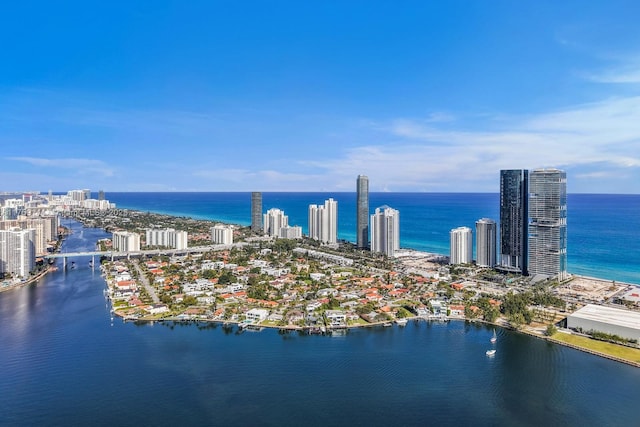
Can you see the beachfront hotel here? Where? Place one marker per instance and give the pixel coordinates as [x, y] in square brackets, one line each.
[548, 223]
[461, 246]
[513, 220]
[362, 214]
[485, 242]
[323, 222]
[385, 231]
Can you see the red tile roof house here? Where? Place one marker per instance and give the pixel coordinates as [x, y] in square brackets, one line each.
[456, 310]
[126, 284]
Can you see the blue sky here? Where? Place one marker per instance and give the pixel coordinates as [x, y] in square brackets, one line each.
[304, 96]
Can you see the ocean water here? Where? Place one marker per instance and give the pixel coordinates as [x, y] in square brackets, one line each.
[65, 362]
[603, 229]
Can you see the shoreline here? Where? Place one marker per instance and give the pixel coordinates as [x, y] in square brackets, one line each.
[382, 323]
[308, 329]
[29, 281]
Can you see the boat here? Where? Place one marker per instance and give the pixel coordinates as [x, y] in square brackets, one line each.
[490, 352]
[494, 338]
[401, 322]
[387, 324]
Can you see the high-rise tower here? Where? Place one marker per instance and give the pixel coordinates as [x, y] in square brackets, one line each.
[274, 220]
[323, 222]
[256, 212]
[385, 231]
[362, 220]
[548, 223]
[461, 246]
[485, 242]
[513, 220]
[17, 251]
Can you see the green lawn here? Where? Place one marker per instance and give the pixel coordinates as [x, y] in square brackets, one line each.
[622, 352]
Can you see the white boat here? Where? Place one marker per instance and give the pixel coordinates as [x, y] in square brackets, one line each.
[401, 322]
[494, 338]
[490, 352]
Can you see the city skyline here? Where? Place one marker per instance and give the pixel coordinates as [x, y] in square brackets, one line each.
[234, 97]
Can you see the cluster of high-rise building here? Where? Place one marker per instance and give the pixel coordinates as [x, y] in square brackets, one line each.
[323, 222]
[81, 199]
[28, 229]
[533, 226]
[276, 224]
[383, 225]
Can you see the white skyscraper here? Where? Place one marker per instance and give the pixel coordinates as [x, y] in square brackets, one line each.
[323, 222]
[385, 231]
[222, 234]
[167, 237]
[461, 246]
[485, 242]
[273, 221]
[125, 241]
[17, 252]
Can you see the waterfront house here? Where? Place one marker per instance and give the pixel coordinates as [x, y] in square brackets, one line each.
[456, 310]
[256, 315]
[335, 318]
[157, 309]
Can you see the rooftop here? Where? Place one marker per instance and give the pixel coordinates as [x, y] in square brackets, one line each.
[614, 316]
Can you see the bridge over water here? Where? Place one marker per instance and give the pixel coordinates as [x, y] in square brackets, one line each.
[149, 252]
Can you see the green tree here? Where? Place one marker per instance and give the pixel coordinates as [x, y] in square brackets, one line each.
[208, 274]
[551, 330]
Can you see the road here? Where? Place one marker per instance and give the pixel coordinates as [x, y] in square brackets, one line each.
[145, 282]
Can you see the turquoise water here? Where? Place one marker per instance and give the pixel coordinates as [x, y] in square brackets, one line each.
[603, 229]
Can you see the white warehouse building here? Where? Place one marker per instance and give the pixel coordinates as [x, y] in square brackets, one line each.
[615, 321]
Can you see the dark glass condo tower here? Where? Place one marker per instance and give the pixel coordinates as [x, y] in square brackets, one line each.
[256, 212]
[362, 220]
[514, 196]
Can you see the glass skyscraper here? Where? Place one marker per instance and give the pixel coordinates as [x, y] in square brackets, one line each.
[548, 223]
[513, 220]
[362, 220]
[256, 212]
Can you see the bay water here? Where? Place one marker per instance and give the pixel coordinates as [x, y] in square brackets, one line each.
[64, 361]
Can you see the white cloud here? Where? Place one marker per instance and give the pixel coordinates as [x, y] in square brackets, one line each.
[593, 140]
[81, 166]
[627, 72]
